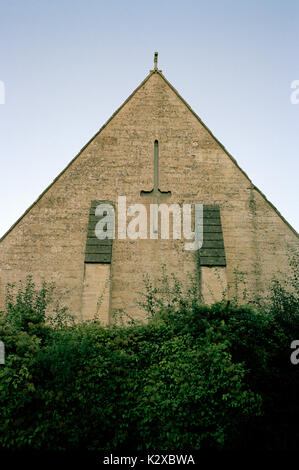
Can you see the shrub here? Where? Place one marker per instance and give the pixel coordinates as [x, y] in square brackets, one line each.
[192, 377]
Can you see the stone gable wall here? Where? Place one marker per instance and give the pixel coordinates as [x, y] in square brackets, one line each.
[49, 241]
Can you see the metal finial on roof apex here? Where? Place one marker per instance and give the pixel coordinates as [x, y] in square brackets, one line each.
[156, 61]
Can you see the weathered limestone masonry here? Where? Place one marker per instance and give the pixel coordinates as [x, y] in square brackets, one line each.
[50, 240]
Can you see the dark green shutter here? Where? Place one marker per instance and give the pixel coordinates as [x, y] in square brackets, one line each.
[97, 251]
[212, 252]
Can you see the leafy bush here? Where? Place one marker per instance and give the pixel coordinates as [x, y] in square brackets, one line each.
[25, 328]
[193, 376]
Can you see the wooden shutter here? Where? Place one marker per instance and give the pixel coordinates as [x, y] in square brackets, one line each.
[212, 252]
[97, 251]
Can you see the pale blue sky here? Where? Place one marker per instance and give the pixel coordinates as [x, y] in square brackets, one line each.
[67, 65]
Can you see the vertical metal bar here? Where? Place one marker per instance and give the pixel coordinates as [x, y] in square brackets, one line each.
[156, 61]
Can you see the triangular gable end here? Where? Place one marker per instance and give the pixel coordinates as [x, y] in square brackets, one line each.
[151, 73]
